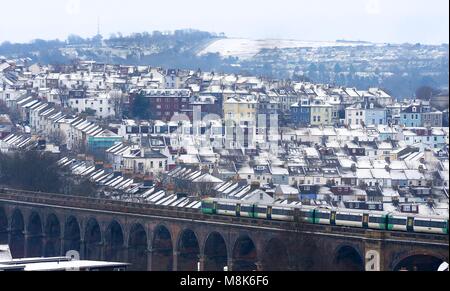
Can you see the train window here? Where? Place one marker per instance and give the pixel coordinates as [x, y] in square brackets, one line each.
[348, 217]
[207, 205]
[260, 210]
[401, 221]
[276, 211]
[323, 215]
[306, 214]
[247, 209]
[376, 219]
[226, 207]
[433, 224]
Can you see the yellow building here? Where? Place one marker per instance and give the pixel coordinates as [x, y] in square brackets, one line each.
[321, 113]
[241, 110]
[240, 120]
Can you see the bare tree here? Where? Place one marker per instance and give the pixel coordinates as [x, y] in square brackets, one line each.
[204, 189]
[117, 101]
[79, 147]
[58, 137]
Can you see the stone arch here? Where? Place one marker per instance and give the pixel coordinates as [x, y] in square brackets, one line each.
[188, 249]
[17, 234]
[72, 235]
[162, 249]
[3, 226]
[35, 243]
[348, 258]
[93, 240]
[137, 247]
[215, 252]
[418, 261]
[275, 256]
[244, 253]
[52, 247]
[114, 242]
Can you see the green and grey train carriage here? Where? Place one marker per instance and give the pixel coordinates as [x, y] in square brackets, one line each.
[327, 216]
[228, 207]
[417, 223]
[430, 225]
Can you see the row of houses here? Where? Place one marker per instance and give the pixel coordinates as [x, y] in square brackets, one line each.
[67, 130]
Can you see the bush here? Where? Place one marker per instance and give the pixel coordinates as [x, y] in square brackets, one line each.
[30, 170]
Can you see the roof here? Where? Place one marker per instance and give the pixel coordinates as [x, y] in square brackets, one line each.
[398, 175]
[154, 155]
[207, 178]
[414, 175]
[279, 171]
[364, 174]
[380, 174]
[286, 190]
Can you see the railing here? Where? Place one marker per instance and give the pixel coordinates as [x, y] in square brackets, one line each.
[98, 204]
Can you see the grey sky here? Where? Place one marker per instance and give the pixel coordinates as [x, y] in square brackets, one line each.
[397, 21]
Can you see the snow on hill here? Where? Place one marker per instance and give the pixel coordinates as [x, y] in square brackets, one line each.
[247, 48]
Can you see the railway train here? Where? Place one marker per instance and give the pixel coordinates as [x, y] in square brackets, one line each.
[378, 220]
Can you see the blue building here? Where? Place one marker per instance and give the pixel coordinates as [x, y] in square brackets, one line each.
[375, 114]
[411, 116]
[301, 113]
[102, 141]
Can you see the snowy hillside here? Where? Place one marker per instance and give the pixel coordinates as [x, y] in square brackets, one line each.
[247, 48]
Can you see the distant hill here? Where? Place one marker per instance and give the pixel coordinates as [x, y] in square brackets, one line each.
[398, 68]
[132, 49]
[247, 48]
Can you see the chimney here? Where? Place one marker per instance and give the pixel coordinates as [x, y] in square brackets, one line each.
[428, 156]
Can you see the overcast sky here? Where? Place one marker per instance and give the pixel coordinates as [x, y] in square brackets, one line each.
[395, 21]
